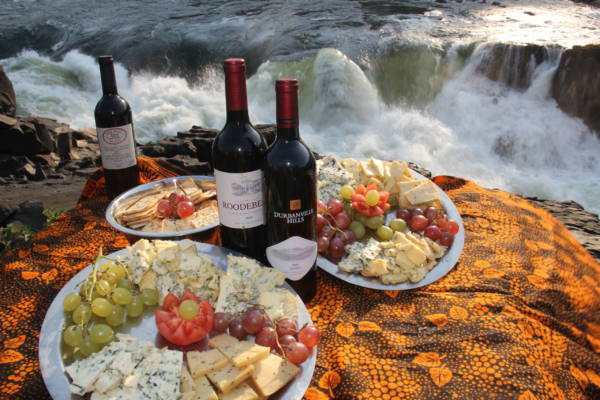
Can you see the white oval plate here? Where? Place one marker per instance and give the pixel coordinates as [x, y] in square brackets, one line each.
[444, 265]
[143, 328]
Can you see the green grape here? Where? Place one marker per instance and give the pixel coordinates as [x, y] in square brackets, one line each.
[358, 229]
[188, 309]
[135, 308]
[88, 347]
[85, 288]
[111, 278]
[125, 284]
[385, 232]
[71, 301]
[117, 316]
[398, 224]
[73, 335]
[149, 297]
[372, 197]
[106, 266]
[102, 307]
[346, 192]
[101, 334]
[374, 222]
[121, 296]
[118, 270]
[103, 288]
[82, 314]
[361, 218]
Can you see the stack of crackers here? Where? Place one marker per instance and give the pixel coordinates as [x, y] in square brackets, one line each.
[140, 211]
[395, 177]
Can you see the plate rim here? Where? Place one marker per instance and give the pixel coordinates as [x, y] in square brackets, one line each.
[447, 262]
[146, 186]
[49, 343]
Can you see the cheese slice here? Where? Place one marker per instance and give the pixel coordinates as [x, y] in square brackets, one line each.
[228, 378]
[187, 382]
[426, 191]
[204, 391]
[205, 362]
[272, 373]
[222, 340]
[408, 185]
[244, 353]
[242, 392]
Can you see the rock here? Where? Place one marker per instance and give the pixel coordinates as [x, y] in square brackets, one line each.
[29, 213]
[89, 135]
[47, 160]
[576, 84]
[8, 100]
[512, 64]
[11, 165]
[5, 212]
[26, 138]
[64, 143]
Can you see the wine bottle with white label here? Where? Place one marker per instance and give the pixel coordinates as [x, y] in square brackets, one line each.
[115, 134]
[238, 154]
[291, 185]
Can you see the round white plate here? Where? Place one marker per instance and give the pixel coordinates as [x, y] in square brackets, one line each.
[143, 328]
[444, 265]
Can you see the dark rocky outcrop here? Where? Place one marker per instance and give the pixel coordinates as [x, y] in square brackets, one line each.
[8, 100]
[512, 64]
[576, 84]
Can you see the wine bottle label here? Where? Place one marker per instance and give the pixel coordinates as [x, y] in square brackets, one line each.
[295, 256]
[116, 147]
[241, 198]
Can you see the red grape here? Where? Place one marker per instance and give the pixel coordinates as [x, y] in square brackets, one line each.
[321, 207]
[330, 219]
[327, 232]
[253, 321]
[442, 223]
[237, 330]
[431, 213]
[415, 212]
[335, 206]
[164, 207]
[404, 214]
[322, 244]
[452, 226]
[310, 336]
[221, 322]
[349, 236]
[446, 239]
[336, 247]
[185, 209]
[297, 352]
[286, 340]
[321, 222]
[268, 323]
[433, 232]
[176, 198]
[266, 337]
[418, 223]
[342, 220]
[286, 326]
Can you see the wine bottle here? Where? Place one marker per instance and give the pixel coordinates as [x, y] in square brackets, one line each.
[238, 154]
[114, 128]
[291, 186]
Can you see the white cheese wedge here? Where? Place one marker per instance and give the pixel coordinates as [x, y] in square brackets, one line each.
[422, 193]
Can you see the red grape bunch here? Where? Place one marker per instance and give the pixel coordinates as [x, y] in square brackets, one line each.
[284, 336]
[177, 205]
[431, 223]
[333, 232]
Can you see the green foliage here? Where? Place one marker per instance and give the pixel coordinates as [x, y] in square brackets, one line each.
[13, 234]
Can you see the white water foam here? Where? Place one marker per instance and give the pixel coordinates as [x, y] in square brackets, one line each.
[474, 128]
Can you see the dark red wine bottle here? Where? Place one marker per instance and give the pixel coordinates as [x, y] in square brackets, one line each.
[115, 134]
[291, 186]
[238, 154]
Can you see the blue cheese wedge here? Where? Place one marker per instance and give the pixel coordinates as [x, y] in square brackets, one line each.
[331, 176]
[279, 303]
[161, 375]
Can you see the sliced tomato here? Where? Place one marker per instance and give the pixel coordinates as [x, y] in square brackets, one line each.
[361, 207]
[384, 206]
[181, 331]
[372, 186]
[384, 196]
[375, 210]
[358, 197]
[361, 189]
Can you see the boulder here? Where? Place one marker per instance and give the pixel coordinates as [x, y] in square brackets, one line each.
[29, 213]
[576, 84]
[8, 100]
[25, 138]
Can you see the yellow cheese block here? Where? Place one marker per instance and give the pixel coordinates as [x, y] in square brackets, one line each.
[272, 373]
[244, 353]
[190, 396]
[228, 378]
[204, 391]
[222, 340]
[205, 362]
[187, 382]
[242, 392]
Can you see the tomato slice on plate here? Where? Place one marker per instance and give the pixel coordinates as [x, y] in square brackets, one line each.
[173, 327]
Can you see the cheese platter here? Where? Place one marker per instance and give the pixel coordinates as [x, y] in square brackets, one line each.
[144, 358]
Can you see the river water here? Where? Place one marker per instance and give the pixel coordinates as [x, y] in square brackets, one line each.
[385, 79]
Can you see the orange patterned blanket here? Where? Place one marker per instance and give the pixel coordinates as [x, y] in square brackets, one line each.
[517, 318]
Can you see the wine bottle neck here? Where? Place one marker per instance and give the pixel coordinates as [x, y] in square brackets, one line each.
[107, 75]
[288, 132]
[235, 91]
[286, 93]
[238, 116]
